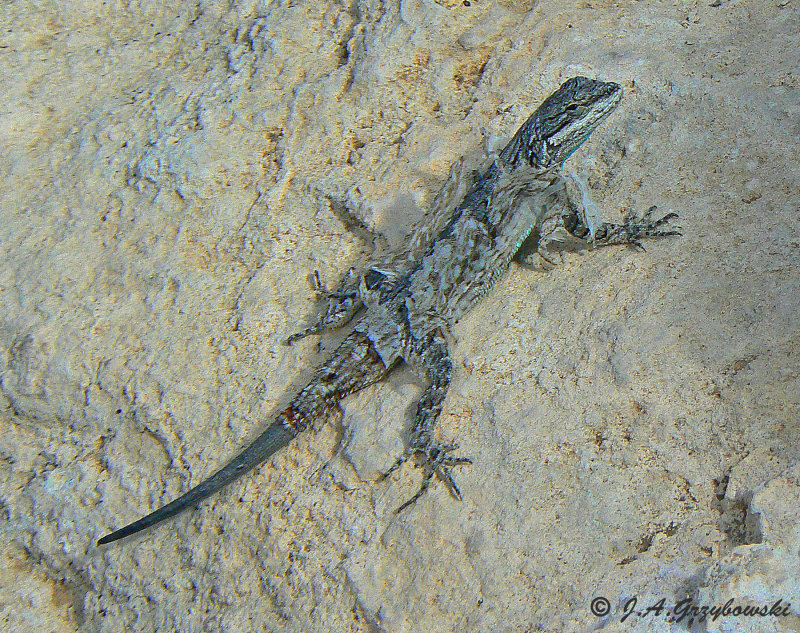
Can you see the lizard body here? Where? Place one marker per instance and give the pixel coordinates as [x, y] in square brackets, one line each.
[520, 203]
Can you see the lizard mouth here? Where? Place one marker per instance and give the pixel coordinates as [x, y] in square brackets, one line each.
[611, 99]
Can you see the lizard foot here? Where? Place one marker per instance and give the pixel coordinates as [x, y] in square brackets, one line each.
[638, 228]
[436, 460]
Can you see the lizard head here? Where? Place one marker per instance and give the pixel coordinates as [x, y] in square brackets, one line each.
[564, 121]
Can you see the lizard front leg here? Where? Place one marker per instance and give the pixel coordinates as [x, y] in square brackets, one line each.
[571, 223]
[435, 456]
[583, 220]
[632, 231]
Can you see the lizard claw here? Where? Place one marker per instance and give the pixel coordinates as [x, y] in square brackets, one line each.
[342, 305]
[635, 229]
[436, 461]
[647, 227]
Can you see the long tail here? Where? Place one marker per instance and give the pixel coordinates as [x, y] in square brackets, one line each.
[274, 438]
[354, 365]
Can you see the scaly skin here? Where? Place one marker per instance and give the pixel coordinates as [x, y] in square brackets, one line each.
[522, 202]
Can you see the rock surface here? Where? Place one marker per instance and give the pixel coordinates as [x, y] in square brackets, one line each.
[633, 417]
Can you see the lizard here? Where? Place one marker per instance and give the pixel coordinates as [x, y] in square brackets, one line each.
[521, 204]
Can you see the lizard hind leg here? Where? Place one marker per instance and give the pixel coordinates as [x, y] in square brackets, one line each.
[435, 456]
[343, 303]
